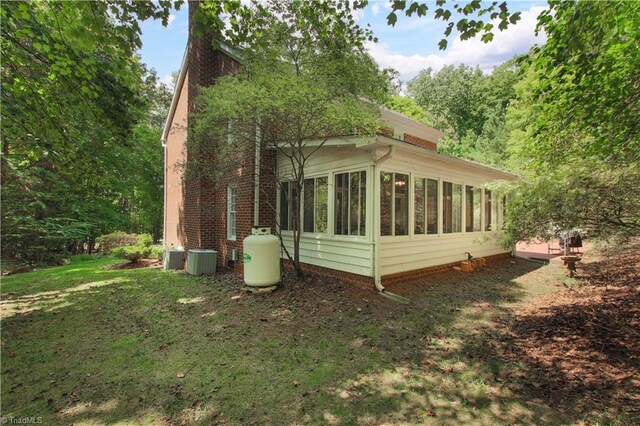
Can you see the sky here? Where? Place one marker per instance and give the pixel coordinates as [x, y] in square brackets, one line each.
[409, 47]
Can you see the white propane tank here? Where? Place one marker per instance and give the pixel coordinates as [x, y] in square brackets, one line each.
[261, 258]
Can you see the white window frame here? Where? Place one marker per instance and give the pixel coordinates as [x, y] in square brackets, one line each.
[231, 135]
[289, 207]
[232, 212]
[480, 190]
[410, 204]
[462, 201]
[332, 204]
[315, 197]
[438, 182]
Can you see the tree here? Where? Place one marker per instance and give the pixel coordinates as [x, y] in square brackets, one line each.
[72, 93]
[470, 107]
[468, 28]
[587, 98]
[296, 89]
[452, 95]
[574, 127]
[410, 108]
[587, 195]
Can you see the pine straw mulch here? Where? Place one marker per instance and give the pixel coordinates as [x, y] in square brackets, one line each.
[142, 263]
[580, 348]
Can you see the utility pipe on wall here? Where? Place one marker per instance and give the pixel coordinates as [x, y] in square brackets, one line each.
[376, 227]
[256, 181]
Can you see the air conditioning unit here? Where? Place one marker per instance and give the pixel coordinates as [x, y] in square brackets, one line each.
[173, 258]
[202, 262]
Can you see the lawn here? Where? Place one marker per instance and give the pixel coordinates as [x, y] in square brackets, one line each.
[85, 344]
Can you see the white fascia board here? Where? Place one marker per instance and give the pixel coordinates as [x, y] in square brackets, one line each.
[176, 96]
[385, 141]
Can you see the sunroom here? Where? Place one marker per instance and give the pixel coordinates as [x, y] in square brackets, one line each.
[387, 208]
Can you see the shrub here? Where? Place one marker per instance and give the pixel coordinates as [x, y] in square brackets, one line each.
[80, 258]
[116, 239]
[132, 253]
[144, 240]
[157, 252]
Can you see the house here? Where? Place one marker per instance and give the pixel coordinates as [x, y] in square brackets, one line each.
[374, 211]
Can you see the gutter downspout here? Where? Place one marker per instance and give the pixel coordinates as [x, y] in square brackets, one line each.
[163, 141]
[376, 233]
[256, 182]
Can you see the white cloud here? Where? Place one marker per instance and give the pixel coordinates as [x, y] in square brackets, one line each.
[168, 81]
[375, 9]
[170, 20]
[515, 40]
[358, 14]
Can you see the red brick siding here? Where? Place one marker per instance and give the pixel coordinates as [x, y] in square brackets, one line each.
[333, 273]
[414, 140]
[419, 273]
[387, 279]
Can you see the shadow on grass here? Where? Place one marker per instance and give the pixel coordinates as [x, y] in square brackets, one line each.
[581, 354]
[162, 348]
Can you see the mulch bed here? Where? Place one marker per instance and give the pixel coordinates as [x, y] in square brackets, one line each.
[142, 263]
[581, 346]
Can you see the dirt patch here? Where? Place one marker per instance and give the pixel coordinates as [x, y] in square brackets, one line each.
[142, 263]
[581, 345]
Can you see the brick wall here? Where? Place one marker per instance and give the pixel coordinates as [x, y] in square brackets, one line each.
[419, 273]
[414, 140]
[387, 279]
[205, 198]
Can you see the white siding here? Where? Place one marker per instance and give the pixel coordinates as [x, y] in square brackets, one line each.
[397, 254]
[344, 253]
[400, 254]
[406, 253]
[340, 253]
[329, 159]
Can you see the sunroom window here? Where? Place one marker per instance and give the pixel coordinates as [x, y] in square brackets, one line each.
[315, 204]
[288, 198]
[394, 204]
[425, 206]
[350, 203]
[452, 207]
[473, 209]
[487, 211]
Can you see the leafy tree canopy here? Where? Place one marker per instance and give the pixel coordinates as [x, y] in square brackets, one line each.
[297, 86]
[586, 92]
[73, 95]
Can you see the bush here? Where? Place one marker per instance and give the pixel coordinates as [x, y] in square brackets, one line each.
[144, 240]
[157, 252]
[80, 258]
[116, 239]
[132, 253]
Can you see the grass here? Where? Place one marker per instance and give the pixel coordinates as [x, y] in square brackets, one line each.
[83, 344]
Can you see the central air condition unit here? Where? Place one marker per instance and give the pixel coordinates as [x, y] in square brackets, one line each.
[173, 258]
[202, 262]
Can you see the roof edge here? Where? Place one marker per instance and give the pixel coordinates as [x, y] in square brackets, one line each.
[176, 96]
[445, 157]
